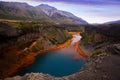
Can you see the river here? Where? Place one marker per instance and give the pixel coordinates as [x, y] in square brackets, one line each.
[62, 62]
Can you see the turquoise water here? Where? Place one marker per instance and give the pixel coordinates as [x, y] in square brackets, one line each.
[57, 63]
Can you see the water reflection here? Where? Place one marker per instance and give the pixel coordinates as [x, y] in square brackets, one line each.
[76, 38]
[71, 48]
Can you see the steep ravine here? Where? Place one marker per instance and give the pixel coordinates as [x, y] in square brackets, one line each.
[61, 46]
[104, 63]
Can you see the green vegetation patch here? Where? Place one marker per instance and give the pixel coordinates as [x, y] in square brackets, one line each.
[54, 41]
[96, 52]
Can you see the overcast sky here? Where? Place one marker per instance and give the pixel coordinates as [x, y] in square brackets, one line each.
[93, 11]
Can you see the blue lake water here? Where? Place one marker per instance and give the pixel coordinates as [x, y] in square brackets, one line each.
[57, 63]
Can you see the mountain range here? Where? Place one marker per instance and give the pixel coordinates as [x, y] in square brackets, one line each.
[113, 22]
[43, 12]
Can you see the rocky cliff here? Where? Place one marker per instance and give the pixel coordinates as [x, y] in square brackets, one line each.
[24, 40]
[99, 34]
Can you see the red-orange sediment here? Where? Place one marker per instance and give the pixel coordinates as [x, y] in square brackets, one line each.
[78, 49]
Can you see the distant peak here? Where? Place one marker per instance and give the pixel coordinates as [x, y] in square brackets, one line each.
[43, 5]
[46, 6]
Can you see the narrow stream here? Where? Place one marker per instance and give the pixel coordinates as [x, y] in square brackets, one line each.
[58, 63]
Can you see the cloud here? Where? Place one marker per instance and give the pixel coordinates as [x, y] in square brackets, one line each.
[78, 2]
[85, 2]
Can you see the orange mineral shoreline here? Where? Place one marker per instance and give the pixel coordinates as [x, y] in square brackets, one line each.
[29, 59]
[78, 49]
[74, 33]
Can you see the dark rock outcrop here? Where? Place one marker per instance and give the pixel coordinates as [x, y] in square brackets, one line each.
[114, 49]
[7, 31]
[101, 35]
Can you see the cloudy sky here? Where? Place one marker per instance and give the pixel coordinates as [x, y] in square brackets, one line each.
[93, 11]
